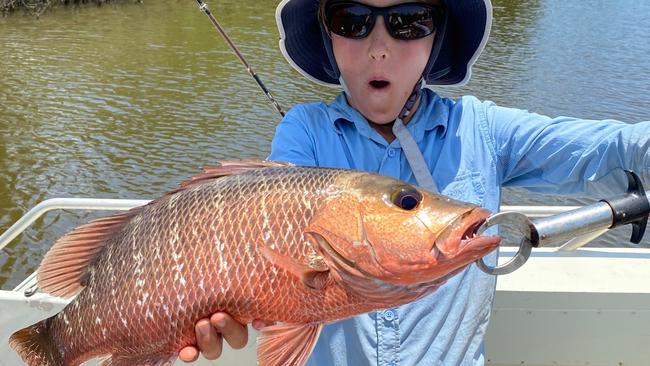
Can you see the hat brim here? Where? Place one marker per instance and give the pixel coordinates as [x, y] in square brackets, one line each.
[468, 28]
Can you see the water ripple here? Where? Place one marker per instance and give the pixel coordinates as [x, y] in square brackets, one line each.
[125, 101]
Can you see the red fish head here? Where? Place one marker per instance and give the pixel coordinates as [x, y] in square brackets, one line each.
[381, 233]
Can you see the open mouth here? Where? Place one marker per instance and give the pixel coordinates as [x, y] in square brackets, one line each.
[472, 230]
[379, 84]
[463, 236]
[473, 240]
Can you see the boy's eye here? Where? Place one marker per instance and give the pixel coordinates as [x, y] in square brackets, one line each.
[350, 21]
[353, 25]
[404, 21]
[411, 25]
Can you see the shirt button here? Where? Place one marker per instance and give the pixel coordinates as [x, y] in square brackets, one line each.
[391, 152]
[389, 315]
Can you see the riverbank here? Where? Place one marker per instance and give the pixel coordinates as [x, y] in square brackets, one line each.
[37, 7]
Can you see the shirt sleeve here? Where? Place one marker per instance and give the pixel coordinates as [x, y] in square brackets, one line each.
[293, 142]
[566, 155]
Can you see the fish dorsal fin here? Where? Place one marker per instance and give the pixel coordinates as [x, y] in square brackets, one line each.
[64, 268]
[287, 345]
[226, 168]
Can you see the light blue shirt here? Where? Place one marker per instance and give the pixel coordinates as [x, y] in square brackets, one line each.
[473, 149]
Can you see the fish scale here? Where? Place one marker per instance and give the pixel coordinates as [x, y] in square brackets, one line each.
[236, 239]
[229, 227]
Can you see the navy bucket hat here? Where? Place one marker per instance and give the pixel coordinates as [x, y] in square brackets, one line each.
[459, 41]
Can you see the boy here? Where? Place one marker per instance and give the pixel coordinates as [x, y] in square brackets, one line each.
[380, 52]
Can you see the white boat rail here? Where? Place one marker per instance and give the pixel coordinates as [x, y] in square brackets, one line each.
[108, 204]
[99, 204]
[65, 204]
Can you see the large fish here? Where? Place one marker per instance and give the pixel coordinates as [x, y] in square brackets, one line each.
[300, 246]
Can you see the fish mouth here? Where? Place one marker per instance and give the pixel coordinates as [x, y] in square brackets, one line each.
[462, 236]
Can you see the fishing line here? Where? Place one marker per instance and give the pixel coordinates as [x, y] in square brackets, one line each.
[204, 8]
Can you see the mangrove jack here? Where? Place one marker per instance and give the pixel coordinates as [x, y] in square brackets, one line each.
[300, 246]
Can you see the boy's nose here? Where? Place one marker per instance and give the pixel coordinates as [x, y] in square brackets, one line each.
[379, 39]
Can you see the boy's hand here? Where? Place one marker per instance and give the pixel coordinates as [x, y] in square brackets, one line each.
[210, 334]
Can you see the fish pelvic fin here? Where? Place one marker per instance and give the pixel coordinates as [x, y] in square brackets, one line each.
[64, 270]
[35, 345]
[226, 168]
[287, 345]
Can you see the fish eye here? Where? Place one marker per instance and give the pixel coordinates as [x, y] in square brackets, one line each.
[406, 198]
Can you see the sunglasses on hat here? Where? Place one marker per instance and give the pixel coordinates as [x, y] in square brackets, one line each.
[405, 21]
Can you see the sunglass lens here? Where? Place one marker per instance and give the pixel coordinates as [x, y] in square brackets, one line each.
[349, 20]
[412, 21]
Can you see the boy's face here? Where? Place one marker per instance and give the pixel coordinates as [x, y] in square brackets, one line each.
[379, 70]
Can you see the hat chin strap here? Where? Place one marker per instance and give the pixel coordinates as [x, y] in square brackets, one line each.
[407, 142]
[344, 86]
[409, 146]
[331, 68]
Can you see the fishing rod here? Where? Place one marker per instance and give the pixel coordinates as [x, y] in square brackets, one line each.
[204, 8]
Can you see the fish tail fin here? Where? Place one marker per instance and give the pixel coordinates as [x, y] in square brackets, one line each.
[35, 346]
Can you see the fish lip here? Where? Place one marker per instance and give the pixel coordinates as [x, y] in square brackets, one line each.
[479, 243]
[465, 231]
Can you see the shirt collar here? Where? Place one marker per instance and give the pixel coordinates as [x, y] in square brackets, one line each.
[431, 113]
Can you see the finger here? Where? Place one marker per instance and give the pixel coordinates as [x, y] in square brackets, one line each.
[208, 340]
[188, 354]
[259, 324]
[235, 334]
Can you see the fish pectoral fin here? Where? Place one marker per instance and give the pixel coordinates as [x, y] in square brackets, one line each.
[317, 280]
[315, 275]
[287, 345]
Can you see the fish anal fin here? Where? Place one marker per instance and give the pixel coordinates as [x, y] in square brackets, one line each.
[138, 360]
[226, 168]
[287, 345]
[314, 274]
[64, 269]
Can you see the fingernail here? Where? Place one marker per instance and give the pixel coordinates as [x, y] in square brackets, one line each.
[221, 323]
[204, 330]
